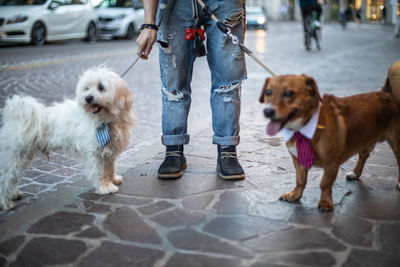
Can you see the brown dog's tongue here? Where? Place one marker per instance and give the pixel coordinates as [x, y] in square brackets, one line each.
[273, 128]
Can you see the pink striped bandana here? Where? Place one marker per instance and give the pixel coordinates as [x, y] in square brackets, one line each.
[305, 153]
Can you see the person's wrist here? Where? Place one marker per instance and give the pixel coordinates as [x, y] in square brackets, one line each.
[148, 26]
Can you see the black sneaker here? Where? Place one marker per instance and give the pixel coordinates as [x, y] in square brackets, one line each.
[228, 166]
[173, 164]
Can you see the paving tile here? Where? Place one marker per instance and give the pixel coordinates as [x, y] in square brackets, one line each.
[11, 245]
[189, 239]
[93, 207]
[151, 186]
[232, 203]
[33, 188]
[389, 236]
[3, 261]
[372, 204]
[90, 196]
[293, 240]
[197, 202]
[48, 251]
[49, 179]
[114, 254]
[354, 231]
[32, 173]
[242, 227]
[49, 167]
[92, 232]
[127, 225]
[178, 217]
[200, 260]
[311, 216]
[301, 259]
[66, 171]
[127, 200]
[368, 258]
[155, 207]
[61, 223]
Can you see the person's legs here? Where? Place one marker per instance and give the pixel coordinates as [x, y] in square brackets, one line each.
[176, 65]
[227, 66]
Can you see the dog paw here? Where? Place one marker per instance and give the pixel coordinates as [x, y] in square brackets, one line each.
[107, 189]
[18, 195]
[290, 196]
[351, 176]
[325, 205]
[7, 205]
[117, 179]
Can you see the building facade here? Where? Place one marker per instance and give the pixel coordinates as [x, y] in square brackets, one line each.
[372, 11]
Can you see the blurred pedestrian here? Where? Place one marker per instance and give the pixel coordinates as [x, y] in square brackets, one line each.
[176, 55]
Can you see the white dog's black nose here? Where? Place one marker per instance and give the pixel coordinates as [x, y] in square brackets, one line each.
[269, 112]
[89, 99]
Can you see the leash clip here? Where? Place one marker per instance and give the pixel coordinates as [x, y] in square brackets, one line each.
[234, 38]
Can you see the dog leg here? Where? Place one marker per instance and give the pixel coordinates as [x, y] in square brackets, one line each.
[394, 142]
[108, 176]
[329, 177]
[301, 180]
[362, 158]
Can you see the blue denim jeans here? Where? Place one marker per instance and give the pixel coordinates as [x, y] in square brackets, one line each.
[225, 60]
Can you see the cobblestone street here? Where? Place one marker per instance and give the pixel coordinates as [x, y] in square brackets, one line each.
[199, 219]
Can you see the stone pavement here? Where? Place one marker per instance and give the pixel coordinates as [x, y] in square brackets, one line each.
[201, 220]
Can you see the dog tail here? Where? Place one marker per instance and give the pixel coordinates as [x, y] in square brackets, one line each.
[392, 84]
[24, 116]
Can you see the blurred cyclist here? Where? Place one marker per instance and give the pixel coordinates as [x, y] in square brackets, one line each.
[307, 7]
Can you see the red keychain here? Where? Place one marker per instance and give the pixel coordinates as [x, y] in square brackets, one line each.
[190, 34]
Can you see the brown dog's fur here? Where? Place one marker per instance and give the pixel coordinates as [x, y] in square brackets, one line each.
[346, 126]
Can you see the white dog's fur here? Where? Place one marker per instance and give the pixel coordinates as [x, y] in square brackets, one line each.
[30, 129]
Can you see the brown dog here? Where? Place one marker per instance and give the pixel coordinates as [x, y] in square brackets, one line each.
[335, 128]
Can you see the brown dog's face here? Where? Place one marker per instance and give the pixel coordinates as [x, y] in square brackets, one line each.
[290, 101]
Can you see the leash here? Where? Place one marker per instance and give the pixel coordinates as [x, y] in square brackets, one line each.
[228, 33]
[141, 53]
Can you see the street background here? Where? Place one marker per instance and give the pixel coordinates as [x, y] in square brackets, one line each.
[200, 218]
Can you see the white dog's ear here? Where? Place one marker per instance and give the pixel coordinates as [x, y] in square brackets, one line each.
[123, 97]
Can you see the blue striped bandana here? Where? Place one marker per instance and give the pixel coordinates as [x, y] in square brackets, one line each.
[103, 135]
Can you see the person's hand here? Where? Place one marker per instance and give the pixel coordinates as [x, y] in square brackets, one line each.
[145, 42]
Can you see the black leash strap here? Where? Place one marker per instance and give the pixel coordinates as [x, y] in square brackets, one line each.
[227, 31]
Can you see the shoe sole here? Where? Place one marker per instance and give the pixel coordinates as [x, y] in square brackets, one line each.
[231, 177]
[172, 175]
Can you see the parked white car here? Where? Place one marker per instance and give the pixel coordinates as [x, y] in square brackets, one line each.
[119, 18]
[38, 21]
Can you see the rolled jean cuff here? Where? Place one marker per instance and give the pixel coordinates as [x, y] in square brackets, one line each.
[226, 140]
[175, 140]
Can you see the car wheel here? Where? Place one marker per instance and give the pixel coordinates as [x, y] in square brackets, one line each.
[91, 33]
[130, 32]
[38, 34]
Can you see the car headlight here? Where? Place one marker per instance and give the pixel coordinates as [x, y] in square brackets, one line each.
[260, 20]
[121, 16]
[17, 19]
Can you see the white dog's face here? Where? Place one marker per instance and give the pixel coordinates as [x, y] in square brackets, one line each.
[103, 93]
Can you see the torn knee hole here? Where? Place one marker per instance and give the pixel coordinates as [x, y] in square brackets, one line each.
[229, 88]
[173, 95]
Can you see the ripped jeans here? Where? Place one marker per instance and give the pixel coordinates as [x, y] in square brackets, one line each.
[225, 60]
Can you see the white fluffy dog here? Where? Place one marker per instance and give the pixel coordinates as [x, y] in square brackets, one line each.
[95, 127]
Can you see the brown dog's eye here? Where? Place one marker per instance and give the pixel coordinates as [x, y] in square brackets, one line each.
[288, 93]
[100, 87]
[268, 92]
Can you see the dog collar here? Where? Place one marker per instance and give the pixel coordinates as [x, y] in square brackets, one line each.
[307, 130]
[103, 135]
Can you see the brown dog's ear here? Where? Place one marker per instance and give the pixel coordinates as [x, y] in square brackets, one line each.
[261, 99]
[312, 86]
